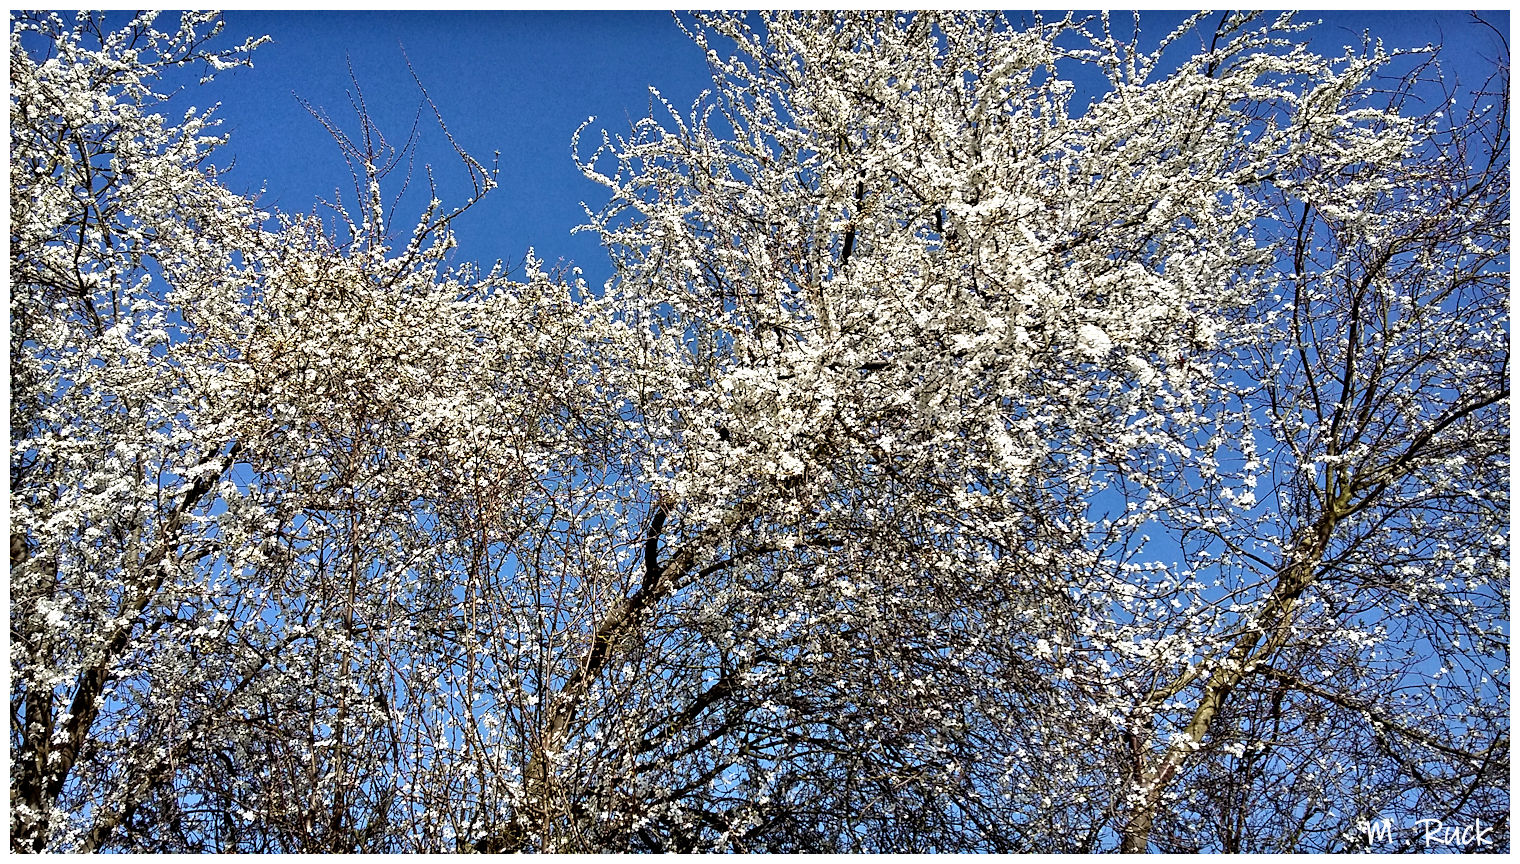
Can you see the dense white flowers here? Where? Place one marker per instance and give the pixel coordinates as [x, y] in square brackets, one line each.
[1094, 343]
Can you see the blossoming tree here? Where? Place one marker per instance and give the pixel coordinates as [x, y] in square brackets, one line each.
[948, 465]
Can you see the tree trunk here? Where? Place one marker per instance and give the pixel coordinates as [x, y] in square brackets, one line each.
[1273, 624]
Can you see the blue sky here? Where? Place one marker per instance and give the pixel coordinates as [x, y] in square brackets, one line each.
[518, 82]
[521, 82]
